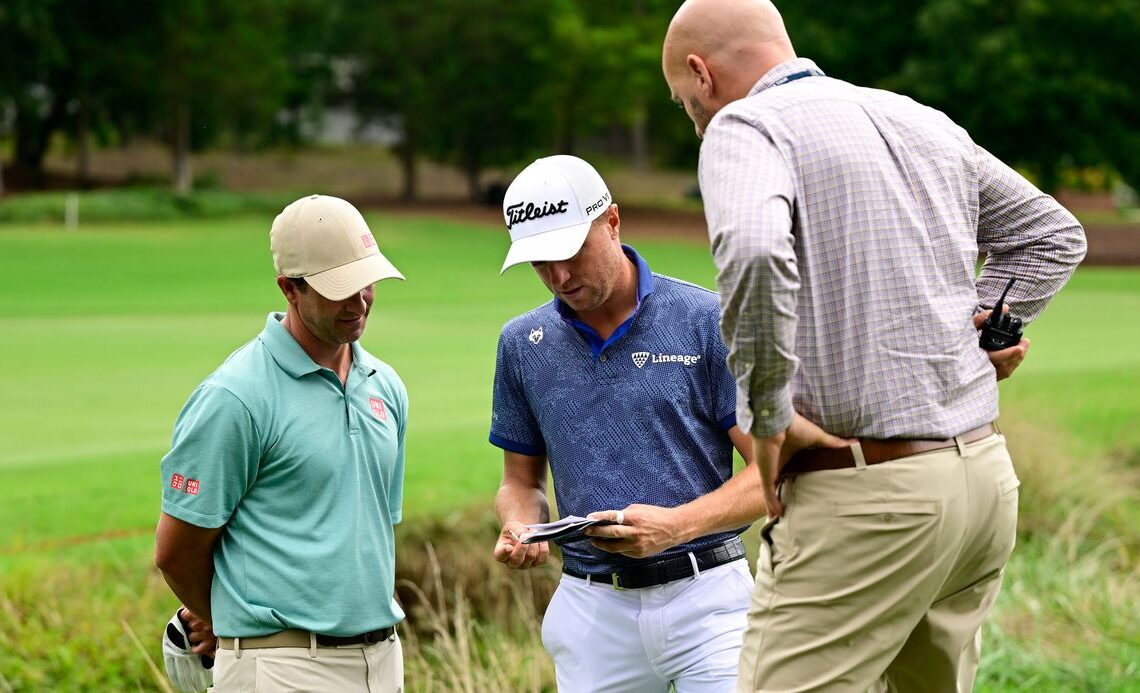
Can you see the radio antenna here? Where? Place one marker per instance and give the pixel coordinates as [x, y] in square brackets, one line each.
[1001, 300]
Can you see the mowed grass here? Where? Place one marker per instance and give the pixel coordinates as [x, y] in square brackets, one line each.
[105, 331]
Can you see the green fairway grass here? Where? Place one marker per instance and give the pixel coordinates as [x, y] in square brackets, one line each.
[105, 331]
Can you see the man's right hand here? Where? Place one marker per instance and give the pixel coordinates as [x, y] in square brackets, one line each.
[773, 452]
[509, 550]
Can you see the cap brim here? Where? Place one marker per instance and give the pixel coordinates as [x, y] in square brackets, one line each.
[551, 246]
[341, 282]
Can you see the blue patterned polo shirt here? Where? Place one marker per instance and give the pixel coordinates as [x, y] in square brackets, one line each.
[639, 418]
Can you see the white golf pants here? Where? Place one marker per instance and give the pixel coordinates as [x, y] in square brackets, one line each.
[686, 633]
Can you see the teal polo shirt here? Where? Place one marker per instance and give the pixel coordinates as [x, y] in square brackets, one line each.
[306, 476]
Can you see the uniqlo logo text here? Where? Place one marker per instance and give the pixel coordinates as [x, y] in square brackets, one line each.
[192, 486]
[177, 481]
[378, 409]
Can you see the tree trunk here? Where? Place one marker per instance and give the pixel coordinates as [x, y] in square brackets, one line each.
[566, 140]
[407, 154]
[639, 127]
[182, 177]
[82, 144]
[33, 135]
[474, 186]
[639, 136]
[1, 178]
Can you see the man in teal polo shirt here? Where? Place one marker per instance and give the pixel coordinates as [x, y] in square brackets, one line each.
[285, 479]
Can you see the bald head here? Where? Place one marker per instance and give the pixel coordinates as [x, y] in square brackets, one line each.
[715, 50]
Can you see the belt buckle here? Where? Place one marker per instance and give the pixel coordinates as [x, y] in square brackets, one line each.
[617, 584]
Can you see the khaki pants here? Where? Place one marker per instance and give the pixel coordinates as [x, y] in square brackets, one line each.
[375, 668]
[882, 575]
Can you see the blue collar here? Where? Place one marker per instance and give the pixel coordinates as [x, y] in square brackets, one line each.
[644, 288]
[785, 72]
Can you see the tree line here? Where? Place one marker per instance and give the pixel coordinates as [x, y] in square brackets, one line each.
[1048, 85]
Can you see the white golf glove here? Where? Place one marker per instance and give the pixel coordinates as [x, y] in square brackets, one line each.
[189, 672]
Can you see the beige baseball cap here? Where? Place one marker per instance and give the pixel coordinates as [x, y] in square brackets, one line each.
[549, 208]
[325, 240]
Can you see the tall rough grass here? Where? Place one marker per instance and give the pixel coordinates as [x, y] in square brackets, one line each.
[1068, 617]
[92, 621]
[89, 618]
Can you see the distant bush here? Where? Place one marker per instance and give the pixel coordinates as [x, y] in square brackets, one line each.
[138, 204]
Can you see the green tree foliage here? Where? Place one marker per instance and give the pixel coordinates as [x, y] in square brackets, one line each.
[220, 65]
[1044, 84]
[862, 42]
[386, 52]
[308, 27]
[32, 58]
[1047, 85]
[192, 69]
[481, 83]
[460, 78]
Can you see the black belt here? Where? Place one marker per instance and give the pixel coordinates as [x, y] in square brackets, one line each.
[370, 638]
[668, 569]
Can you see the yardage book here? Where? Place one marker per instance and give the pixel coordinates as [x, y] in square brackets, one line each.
[563, 531]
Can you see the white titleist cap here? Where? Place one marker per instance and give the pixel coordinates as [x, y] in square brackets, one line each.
[549, 208]
[325, 240]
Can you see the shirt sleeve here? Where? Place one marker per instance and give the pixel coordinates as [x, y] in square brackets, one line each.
[722, 383]
[396, 484]
[513, 425]
[1025, 234]
[748, 193]
[213, 459]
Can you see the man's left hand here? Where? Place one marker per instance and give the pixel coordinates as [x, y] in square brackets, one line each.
[644, 530]
[202, 638]
[1007, 360]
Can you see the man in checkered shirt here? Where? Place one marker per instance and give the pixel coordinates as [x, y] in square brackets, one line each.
[845, 224]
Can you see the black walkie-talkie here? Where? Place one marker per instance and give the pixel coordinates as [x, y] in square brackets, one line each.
[1001, 330]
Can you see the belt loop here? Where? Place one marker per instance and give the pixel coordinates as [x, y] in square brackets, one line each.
[237, 648]
[312, 645]
[857, 453]
[962, 452]
[693, 560]
[589, 579]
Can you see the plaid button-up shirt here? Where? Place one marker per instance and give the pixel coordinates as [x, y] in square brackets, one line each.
[846, 224]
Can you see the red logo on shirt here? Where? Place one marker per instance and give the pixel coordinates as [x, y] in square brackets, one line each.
[177, 481]
[192, 486]
[369, 241]
[378, 409]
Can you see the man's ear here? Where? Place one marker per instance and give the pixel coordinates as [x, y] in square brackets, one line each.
[287, 289]
[614, 220]
[699, 71]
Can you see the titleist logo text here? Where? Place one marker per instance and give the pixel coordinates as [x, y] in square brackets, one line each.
[517, 213]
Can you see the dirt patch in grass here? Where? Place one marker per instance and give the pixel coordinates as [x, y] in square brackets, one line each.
[1109, 244]
[654, 203]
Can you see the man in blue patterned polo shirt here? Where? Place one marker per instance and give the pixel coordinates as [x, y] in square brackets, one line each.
[620, 385]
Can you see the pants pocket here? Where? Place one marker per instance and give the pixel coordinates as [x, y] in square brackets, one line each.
[1008, 486]
[885, 511]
